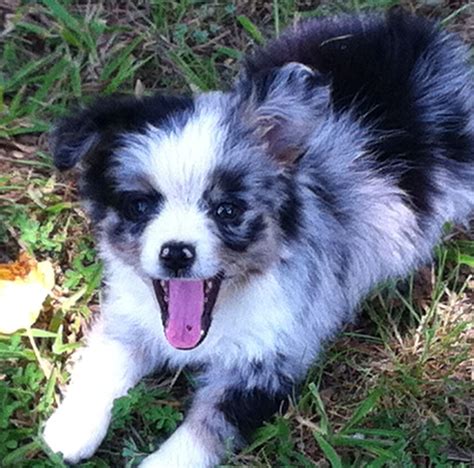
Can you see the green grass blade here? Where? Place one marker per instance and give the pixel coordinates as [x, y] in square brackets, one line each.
[126, 71]
[324, 422]
[14, 109]
[230, 52]
[363, 410]
[18, 456]
[191, 76]
[276, 17]
[277, 430]
[62, 15]
[251, 29]
[53, 457]
[455, 13]
[35, 127]
[38, 333]
[378, 447]
[75, 32]
[2, 102]
[390, 433]
[56, 73]
[75, 77]
[26, 71]
[47, 396]
[34, 28]
[328, 451]
[461, 252]
[119, 60]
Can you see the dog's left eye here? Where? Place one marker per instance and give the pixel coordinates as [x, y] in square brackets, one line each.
[137, 206]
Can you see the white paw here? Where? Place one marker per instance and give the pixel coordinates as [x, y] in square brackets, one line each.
[75, 432]
[164, 460]
[182, 450]
[155, 461]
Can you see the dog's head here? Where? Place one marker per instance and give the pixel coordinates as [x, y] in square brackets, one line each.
[195, 192]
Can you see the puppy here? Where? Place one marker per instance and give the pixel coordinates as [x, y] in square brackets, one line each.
[240, 230]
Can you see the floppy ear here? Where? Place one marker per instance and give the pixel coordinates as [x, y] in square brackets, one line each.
[80, 135]
[284, 105]
[73, 138]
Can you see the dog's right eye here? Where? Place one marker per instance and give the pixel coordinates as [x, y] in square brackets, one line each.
[227, 211]
[137, 206]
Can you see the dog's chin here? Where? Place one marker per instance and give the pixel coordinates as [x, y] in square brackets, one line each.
[186, 308]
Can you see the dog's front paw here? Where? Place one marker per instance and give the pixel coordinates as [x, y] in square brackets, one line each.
[160, 459]
[183, 449]
[75, 432]
[155, 460]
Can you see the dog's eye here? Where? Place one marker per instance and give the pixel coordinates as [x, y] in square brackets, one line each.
[227, 211]
[137, 206]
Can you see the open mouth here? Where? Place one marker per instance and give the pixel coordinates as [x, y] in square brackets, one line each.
[186, 309]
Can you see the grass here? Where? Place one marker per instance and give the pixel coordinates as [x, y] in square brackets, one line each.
[395, 389]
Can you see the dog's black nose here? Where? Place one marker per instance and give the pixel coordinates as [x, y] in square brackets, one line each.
[177, 255]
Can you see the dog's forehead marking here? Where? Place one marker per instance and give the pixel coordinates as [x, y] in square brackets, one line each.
[178, 160]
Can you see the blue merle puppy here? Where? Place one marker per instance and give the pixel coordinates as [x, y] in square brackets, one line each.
[240, 229]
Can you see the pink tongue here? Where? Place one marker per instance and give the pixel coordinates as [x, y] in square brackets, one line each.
[185, 308]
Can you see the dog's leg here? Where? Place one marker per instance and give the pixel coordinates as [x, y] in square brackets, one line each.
[231, 404]
[105, 371]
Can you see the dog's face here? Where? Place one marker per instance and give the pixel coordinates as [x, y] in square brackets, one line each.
[200, 197]
[194, 193]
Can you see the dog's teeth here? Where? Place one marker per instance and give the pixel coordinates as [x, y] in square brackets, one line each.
[163, 284]
[205, 300]
[165, 298]
[202, 332]
[209, 284]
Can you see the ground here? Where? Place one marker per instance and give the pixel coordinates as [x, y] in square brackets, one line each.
[395, 389]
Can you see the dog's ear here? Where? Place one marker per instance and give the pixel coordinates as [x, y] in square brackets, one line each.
[85, 131]
[73, 138]
[285, 105]
[78, 136]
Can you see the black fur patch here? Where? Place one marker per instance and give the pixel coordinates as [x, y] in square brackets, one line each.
[229, 182]
[290, 210]
[133, 226]
[239, 238]
[249, 409]
[238, 187]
